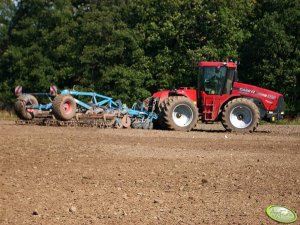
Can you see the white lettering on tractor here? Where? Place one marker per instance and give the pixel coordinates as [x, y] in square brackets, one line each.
[262, 94]
[271, 96]
[245, 90]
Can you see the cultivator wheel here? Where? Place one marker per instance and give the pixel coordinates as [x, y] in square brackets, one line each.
[23, 106]
[64, 107]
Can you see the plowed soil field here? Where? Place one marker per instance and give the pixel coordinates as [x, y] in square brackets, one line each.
[61, 175]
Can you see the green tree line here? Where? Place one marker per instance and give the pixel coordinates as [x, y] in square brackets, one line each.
[129, 49]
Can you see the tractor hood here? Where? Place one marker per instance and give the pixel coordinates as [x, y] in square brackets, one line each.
[268, 98]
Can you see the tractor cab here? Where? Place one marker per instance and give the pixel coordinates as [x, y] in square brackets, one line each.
[217, 78]
[215, 84]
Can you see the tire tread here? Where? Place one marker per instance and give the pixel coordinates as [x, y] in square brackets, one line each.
[57, 107]
[225, 116]
[166, 108]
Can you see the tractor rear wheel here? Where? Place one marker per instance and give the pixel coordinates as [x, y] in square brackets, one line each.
[240, 115]
[64, 107]
[178, 113]
[23, 104]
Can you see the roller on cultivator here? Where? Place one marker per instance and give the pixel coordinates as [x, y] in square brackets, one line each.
[69, 109]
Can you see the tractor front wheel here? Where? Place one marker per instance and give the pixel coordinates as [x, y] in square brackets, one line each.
[178, 113]
[23, 106]
[240, 115]
[64, 107]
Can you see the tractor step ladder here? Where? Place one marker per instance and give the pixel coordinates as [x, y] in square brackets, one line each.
[208, 110]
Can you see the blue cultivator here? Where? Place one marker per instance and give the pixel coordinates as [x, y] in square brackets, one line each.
[76, 108]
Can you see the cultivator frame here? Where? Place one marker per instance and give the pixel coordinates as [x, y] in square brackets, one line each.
[66, 109]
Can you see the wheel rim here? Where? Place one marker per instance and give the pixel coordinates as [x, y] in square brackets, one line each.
[182, 115]
[241, 117]
[29, 106]
[67, 107]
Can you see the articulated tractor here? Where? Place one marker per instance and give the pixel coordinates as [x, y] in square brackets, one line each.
[218, 97]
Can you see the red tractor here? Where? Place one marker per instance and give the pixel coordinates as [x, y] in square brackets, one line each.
[218, 97]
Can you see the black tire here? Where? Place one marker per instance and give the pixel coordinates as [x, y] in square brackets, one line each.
[178, 113]
[240, 115]
[149, 104]
[22, 104]
[64, 107]
[159, 123]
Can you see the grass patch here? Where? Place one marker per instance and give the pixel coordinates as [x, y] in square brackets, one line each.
[295, 121]
[6, 115]
[286, 121]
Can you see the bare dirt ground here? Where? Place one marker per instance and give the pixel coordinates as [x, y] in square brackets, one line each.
[59, 175]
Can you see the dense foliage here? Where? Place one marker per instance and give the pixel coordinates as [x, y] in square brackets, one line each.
[131, 48]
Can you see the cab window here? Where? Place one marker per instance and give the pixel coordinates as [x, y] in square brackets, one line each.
[213, 79]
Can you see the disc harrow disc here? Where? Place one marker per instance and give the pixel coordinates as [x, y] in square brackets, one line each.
[126, 121]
